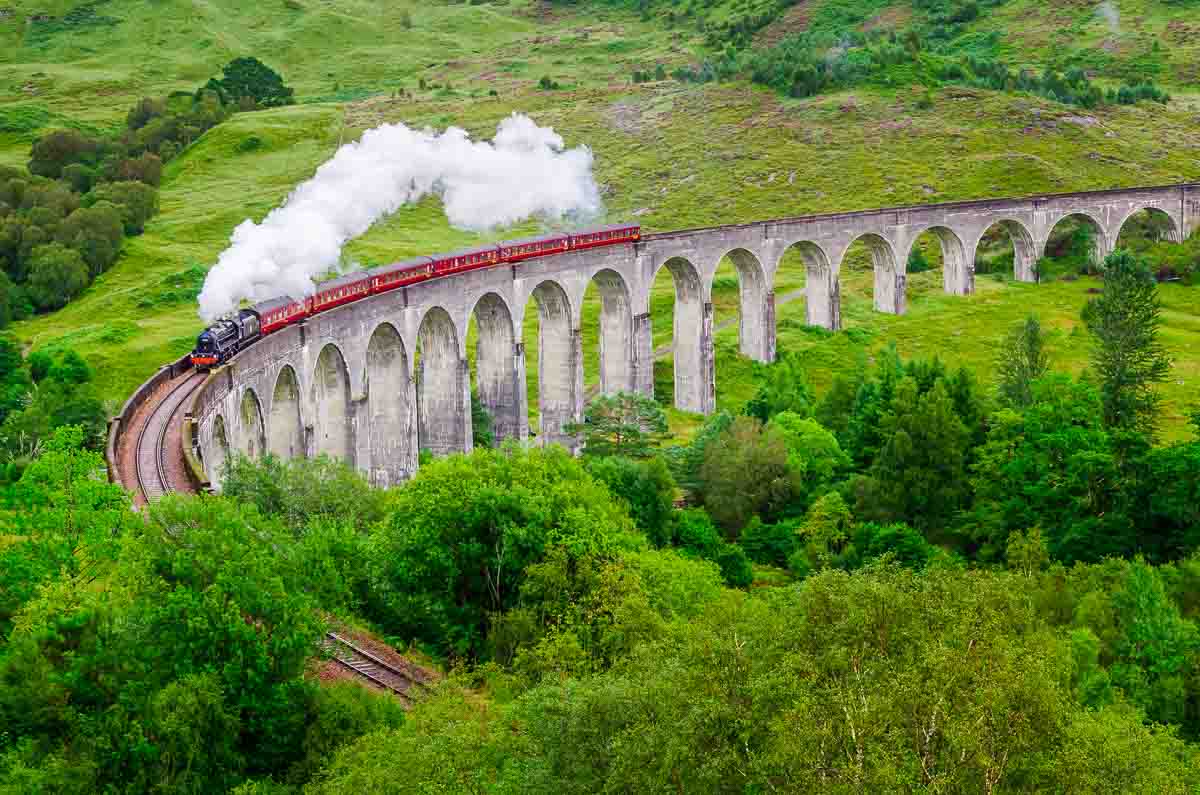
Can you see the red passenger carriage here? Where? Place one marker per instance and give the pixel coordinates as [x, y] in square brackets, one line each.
[400, 274]
[341, 290]
[462, 261]
[519, 250]
[606, 236]
[280, 312]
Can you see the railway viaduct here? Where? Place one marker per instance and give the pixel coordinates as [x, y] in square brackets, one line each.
[376, 381]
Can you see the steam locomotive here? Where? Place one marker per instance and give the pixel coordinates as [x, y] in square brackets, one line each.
[219, 342]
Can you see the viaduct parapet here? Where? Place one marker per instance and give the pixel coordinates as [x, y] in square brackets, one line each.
[350, 382]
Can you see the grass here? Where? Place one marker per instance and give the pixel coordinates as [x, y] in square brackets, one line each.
[668, 154]
[1144, 39]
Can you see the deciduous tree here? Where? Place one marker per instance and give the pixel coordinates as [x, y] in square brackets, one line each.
[136, 201]
[57, 275]
[97, 233]
[746, 474]
[462, 532]
[250, 77]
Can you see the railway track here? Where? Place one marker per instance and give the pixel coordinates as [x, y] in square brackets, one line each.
[153, 477]
[406, 685]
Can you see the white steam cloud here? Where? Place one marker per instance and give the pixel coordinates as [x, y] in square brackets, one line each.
[523, 172]
[1109, 12]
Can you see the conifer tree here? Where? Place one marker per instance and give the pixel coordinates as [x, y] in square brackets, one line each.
[921, 468]
[1126, 353]
[1022, 361]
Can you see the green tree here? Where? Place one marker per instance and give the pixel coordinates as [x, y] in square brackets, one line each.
[863, 436]
[1166, 502]
[746, 474]
[66, 521]
[627, 424]
[770, 544]
[785, 387]
[1052, 467]
[813, 453]
[137, 203]
[81, 178]
[185, 671]
[824, 535]
[880, 682]
[917, 261]
[341, 713]
[646, 487]
[835, 408]
[1027, 552]
[57, 275]
[302, 492]
[250, 77]
[1126, 355]
[454, 551]
[687, 460]
[921, 469]
[1021, 362]
[97, 233]
[146, 168]
[1155, 653]
[58, 149]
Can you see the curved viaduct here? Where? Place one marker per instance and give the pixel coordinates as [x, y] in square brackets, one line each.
[376, 381]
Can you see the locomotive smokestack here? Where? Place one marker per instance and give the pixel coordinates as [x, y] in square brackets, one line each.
[524, 172]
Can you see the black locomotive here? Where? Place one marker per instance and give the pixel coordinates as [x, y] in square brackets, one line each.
[220, 341]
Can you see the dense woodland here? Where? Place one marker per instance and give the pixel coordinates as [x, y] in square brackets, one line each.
[909, 581]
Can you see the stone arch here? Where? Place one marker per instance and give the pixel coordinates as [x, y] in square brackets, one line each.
[496, 372]
[391, 427]
[958, 271]
[1173, 231]
[1100, 243]
[822, 290]
[890, 293]
[443, 391]
[560, 365]
[615, 333]
[253, 437]
[756, 307]
[218, 453]
[333, 415]
[1025, 251]
[285, 428]
[692, 343]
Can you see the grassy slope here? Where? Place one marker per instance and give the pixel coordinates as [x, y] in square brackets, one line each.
[1117, 47]
[669, 154]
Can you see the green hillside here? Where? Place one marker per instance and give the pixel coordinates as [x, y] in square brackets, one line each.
[671, 154]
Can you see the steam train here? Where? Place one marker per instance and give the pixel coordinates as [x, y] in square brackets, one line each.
[224, 338]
